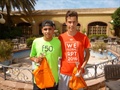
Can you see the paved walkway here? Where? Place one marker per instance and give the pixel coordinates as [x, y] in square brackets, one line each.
[10, 85]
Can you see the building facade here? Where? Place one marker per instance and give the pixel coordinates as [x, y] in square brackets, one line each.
[90, 21]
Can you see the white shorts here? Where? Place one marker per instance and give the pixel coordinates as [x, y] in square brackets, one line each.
[63, 82]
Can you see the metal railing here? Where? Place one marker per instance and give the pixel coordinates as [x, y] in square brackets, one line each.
[21, 74]
[98, 69]
[18, 74]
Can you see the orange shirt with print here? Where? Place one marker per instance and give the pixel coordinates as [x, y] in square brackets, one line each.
[72, 51]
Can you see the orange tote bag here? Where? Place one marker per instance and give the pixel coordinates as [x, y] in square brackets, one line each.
[76, 83]
[43, 75]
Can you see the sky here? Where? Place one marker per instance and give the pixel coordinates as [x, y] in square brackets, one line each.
[75, 4]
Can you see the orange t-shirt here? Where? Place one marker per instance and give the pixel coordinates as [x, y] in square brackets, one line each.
[72, 51]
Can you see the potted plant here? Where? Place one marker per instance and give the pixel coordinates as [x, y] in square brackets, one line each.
[6, 49]
[99, 45]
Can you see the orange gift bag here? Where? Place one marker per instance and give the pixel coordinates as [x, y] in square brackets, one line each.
[43, 75]
[76, 83]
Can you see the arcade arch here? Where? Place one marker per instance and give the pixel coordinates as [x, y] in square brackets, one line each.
[26, 28]
[97, 28]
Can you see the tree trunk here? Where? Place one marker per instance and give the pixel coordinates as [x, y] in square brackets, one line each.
[9, 20]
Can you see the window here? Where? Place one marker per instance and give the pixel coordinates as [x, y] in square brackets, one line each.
[97, 28]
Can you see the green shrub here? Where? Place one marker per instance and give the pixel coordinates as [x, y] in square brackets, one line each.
[6, 49]
[98, 45]
[29, 41]
[97, 36]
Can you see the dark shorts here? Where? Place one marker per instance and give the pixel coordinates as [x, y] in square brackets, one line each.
[35, 87]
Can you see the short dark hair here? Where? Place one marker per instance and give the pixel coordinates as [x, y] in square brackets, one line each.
[48, 23]
[71, 13]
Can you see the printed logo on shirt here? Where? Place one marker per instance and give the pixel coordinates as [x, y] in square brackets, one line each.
[47, 48]
[71, 51]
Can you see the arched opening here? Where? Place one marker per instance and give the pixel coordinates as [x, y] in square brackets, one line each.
[64, 29]
[40, 29]
[26, 29]
[97, 28]
[78, 27]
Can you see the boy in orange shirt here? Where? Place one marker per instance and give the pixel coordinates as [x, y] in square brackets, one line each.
[75, 50]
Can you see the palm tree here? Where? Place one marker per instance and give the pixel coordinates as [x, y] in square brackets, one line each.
[26, 6]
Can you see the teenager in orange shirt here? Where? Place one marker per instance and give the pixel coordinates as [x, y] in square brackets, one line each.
[75, 50]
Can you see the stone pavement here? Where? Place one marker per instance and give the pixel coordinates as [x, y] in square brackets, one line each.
[10, 85]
